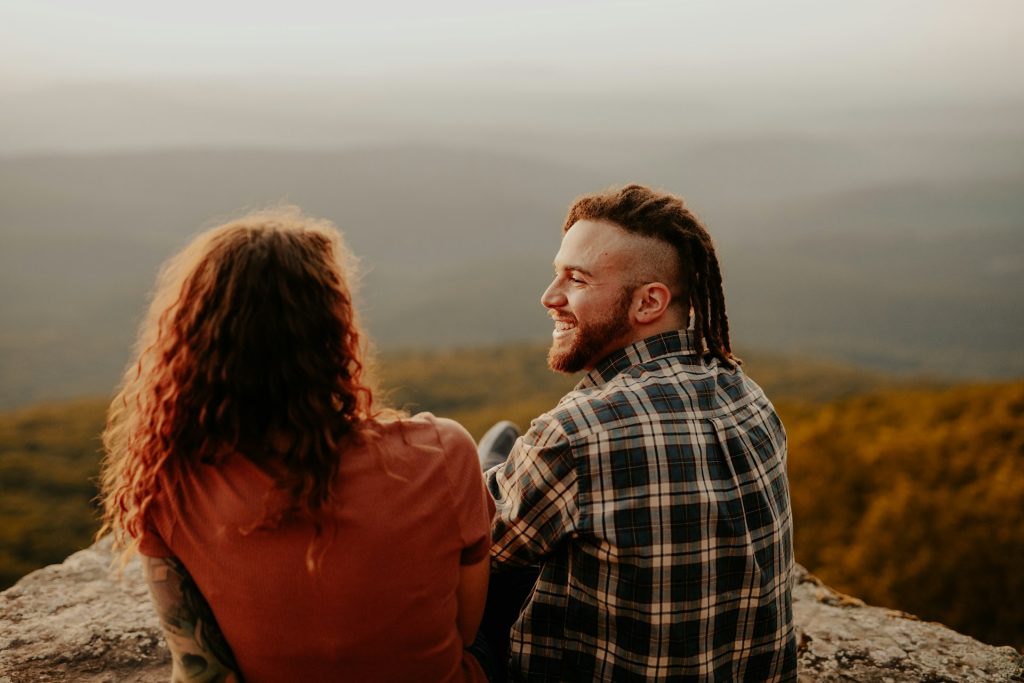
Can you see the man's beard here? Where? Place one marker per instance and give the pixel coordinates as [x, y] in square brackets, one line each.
[591, 339]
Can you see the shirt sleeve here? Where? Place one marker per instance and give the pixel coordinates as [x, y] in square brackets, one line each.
[155, 539]
[151, 543]
[474, 507]
[536, 495]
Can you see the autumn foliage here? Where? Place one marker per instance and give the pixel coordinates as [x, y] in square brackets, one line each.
[915, 500]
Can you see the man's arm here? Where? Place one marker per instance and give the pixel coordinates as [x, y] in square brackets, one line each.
[199, 652]
[536, 496]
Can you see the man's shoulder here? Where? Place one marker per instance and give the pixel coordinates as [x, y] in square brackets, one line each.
[586, 410]
[658, 389]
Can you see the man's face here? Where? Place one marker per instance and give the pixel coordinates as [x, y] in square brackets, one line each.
[589, 299]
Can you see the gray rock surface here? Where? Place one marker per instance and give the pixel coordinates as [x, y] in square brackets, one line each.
[76, 621]
[842, 639]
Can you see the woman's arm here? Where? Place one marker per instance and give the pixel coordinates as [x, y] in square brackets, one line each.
[199, 652]
[472, 597]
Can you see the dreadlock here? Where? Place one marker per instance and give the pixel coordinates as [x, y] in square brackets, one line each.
[643, 211]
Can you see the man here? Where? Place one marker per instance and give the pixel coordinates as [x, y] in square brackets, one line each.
[653, 497]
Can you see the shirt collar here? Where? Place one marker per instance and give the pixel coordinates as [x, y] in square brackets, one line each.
[675, 343]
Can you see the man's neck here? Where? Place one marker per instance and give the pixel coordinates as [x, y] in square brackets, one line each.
[641, 332]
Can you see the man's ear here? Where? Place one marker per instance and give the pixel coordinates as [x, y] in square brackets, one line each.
[652, 301]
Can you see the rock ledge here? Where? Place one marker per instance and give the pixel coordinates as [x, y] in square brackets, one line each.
[76, 621]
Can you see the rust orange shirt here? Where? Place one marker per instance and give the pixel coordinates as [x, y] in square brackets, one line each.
[410, 510]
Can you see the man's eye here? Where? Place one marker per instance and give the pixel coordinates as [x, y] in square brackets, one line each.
[575, 280]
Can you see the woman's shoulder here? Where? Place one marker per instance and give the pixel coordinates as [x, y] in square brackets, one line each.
[427, 429]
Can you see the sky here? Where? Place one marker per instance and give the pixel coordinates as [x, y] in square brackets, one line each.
[46, 42]
[65, 65]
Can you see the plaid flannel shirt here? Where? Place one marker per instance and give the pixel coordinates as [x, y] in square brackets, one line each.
[654, 498]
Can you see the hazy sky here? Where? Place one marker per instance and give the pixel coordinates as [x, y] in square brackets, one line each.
[109, 73]
[972, 43]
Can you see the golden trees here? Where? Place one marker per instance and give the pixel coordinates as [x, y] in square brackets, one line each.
[915, 500]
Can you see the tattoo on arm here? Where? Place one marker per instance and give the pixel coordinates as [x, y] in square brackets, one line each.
[199, 651]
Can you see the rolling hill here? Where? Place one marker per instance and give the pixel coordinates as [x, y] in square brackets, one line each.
[892, 260]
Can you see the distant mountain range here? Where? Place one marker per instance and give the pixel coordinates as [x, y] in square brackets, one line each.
[905, 257]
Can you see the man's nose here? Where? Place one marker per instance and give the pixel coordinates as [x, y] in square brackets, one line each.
[553, 297]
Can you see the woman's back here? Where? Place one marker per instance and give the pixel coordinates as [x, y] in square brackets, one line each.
[411, 508]
[356, 546]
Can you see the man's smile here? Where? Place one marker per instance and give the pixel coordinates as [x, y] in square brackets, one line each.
[563, 327]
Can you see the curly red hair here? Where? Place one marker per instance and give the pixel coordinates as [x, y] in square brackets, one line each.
[251, 339]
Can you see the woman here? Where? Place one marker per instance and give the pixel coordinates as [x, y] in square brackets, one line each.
[246, 462]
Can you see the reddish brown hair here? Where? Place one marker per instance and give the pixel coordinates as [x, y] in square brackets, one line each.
[662, 216]
[251, 337]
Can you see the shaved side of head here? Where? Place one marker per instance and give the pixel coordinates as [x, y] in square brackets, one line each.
[653, 260]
